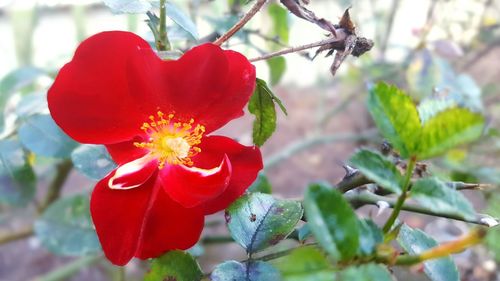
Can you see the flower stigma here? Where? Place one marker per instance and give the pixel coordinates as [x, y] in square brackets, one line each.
[171, 142]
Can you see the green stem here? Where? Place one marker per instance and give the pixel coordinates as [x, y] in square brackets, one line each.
[163, 44]
[404, 193]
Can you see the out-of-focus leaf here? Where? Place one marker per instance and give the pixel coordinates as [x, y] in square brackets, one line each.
[181, 19]
[277, 67]
[257, 221]
[452, 127]
[379, 169]
[415, 241]
[279, 17]
[396, 117]
[251, 271]
[18, 79]
[305, 264]
[437, 196]
[131, 6]
[93, 161]
[41, 135]
[332, 221]
[366, 272]
[17, 179]
[262, 106]
[304, 232]
[261, 184]
[423, 74]
[66, 228]
[35, 103]
[174, 265]
[370, 235]
[494, 233]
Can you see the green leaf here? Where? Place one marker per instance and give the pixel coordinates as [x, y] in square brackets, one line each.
[415, 241]
[366, 272]
[430, 107]
[261, 184]
[66, 228]
[370, 235]
[379, 169]
[18, 79]
[251, 271]
[448, 129]
[34, 103]
[396, 117]
[304, 232]
[438, 196]
[332, 221]
[305, 264]
[174, 265]
[93, 161]
[41, 135]
[261, 105]
[16, 175]
[181, 19]
[129, 6]
[257, 221]
[423, 74]
[280, 26]
[493, 235]
[277, 67]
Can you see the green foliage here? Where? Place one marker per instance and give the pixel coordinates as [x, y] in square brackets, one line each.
[249, 271]
[17, 80]
[65, 228]
[16, 174]
[92, 160]
[257, 221]
[277, 67]
[370, 235]
[379, 169]
[261, 184]
[332, 221]
[366, 272]
[437, 196]
[305, 264]
[280, 26]
[494, 233]
[129, 6]
[397, 119]
[174, 265]
[415, 241]
[182, 20]
[41, 135]
[304, 232]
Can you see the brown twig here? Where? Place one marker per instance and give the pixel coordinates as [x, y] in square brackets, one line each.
[256, 7]
[19, 234]
[54, 191]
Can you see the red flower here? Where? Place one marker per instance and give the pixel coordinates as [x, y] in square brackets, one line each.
[154, 117]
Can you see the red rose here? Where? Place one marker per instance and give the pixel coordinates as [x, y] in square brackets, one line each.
[155, 118]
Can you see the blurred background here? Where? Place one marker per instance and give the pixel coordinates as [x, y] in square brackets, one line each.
[445, 51]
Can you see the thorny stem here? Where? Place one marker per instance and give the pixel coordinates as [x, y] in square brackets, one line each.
[163, 44]
[401, 199]
[255, 8]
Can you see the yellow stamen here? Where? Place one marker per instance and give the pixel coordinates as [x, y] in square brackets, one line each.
[171, 142]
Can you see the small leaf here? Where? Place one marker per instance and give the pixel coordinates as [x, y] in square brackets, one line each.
[18, 79]
[414, 241]
[305, 264]
[277, 67]
[16, 175]
[250, 271]
[261, 105]
[396, 117]
[34, 103]
[304, 232]
[332, 221]
[93, 161]
[181, 19]
[370, 236]
[448, 129]
[174, 265]
[438, 196]
[129, 6]
[366, 272]
[41, 135]
[261, 184]
[66, 228]
[280, 26]
[379, 169]
[257, 221]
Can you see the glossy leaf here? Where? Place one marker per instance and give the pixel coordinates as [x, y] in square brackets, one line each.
[93, 161]
[332, 221]
[448, 129]
[251, 271]
[366, 272]
[261, 184]
[415, 241]
[257, 221]
[305, 264]
[438, 196]
[262, 106]
[396, 117]
[370, 235]
[379, 169]
[66, 228]
[181, 19]
[41, 135]
[17, 179]
[174, 265]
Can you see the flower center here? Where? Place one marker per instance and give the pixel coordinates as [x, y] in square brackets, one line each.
[171, 142]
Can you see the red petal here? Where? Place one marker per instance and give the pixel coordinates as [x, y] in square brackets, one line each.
[246, 162]
[134, 173]
[90, 98]
[206, 83]
[191, 186]
[124, 152]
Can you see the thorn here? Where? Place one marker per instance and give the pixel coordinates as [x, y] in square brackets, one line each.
[349, 171]
[488, 220]
[382, 206]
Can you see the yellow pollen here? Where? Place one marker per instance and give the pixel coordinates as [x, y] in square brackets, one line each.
[171, 142]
